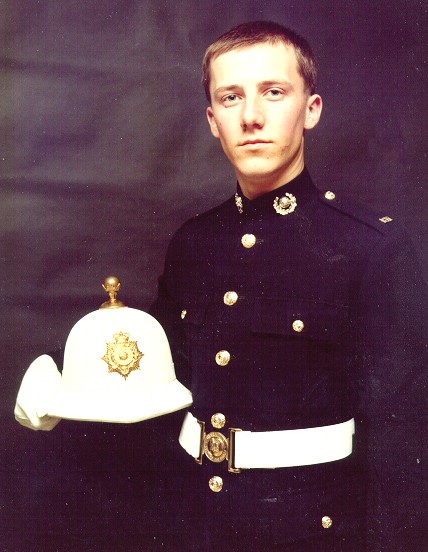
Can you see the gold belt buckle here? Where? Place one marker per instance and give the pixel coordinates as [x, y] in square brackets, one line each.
[217, 447]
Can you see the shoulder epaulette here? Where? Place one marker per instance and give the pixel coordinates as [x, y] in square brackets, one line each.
[356, 210]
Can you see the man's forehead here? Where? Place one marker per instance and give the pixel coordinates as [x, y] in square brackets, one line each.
[274, 60]
[266, 47]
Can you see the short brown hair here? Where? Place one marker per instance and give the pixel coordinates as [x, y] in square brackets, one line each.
[256, 32]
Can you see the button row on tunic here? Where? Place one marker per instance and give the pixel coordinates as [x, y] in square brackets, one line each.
[222, 358]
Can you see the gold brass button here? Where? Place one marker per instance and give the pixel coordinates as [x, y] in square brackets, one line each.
[216, 484]
[183, 314]
[230, 298]
[248, 240]
[326, 522]
[218, 420]
[298, 326]
[330, 196]
[222, 358]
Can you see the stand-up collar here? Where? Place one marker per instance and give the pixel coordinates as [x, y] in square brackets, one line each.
[281, 201]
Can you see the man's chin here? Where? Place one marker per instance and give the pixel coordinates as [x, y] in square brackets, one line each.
[256, 170]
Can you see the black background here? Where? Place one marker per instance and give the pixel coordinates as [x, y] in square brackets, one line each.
[105, 151]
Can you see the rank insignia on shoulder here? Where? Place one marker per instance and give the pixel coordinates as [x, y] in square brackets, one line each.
[385, 219]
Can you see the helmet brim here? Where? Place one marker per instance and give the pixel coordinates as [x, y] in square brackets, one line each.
[120, 407]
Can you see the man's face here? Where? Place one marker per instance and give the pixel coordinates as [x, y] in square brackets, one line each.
[259, 110]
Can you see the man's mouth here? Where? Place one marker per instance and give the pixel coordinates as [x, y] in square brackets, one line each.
[254, 142]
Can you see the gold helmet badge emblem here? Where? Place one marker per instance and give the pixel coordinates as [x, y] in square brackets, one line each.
[122, 356]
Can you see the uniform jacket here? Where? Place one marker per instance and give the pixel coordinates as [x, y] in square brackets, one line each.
[351, 280]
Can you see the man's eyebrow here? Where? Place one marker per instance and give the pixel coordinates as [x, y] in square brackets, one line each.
[275, 82]
[227, 88]
[262, 84]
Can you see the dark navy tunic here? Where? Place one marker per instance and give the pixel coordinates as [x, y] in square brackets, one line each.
[325, 323]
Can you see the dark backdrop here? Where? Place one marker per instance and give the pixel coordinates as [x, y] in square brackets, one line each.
[105, 151]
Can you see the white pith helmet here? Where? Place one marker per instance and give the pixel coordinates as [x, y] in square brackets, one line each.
[117, 368]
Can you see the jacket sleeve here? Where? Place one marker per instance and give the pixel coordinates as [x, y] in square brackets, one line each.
[391, 340]
[168, 311]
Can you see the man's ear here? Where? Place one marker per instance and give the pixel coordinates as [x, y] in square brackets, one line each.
[313, 111]
[212, 122]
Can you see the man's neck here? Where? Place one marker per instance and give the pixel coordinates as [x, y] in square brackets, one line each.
[256, 187]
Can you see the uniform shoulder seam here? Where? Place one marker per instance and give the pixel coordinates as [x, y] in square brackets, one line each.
[380, 221]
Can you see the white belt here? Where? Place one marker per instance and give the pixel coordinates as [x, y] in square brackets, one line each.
[268, 449]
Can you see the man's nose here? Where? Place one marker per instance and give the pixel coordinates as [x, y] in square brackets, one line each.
[252, 114]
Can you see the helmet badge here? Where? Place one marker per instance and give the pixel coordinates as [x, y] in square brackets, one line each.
[122, 356]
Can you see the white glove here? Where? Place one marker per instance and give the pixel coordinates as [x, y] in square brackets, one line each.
[41, 380]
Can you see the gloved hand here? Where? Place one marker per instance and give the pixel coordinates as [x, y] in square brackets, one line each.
[41, 380]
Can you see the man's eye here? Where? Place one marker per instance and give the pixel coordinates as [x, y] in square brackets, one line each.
[230, 98]
[275, 93]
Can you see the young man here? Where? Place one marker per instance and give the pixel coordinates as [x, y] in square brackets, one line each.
[296, 318]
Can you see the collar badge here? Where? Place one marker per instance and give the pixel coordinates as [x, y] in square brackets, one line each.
[285, 205]
[238, 203]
